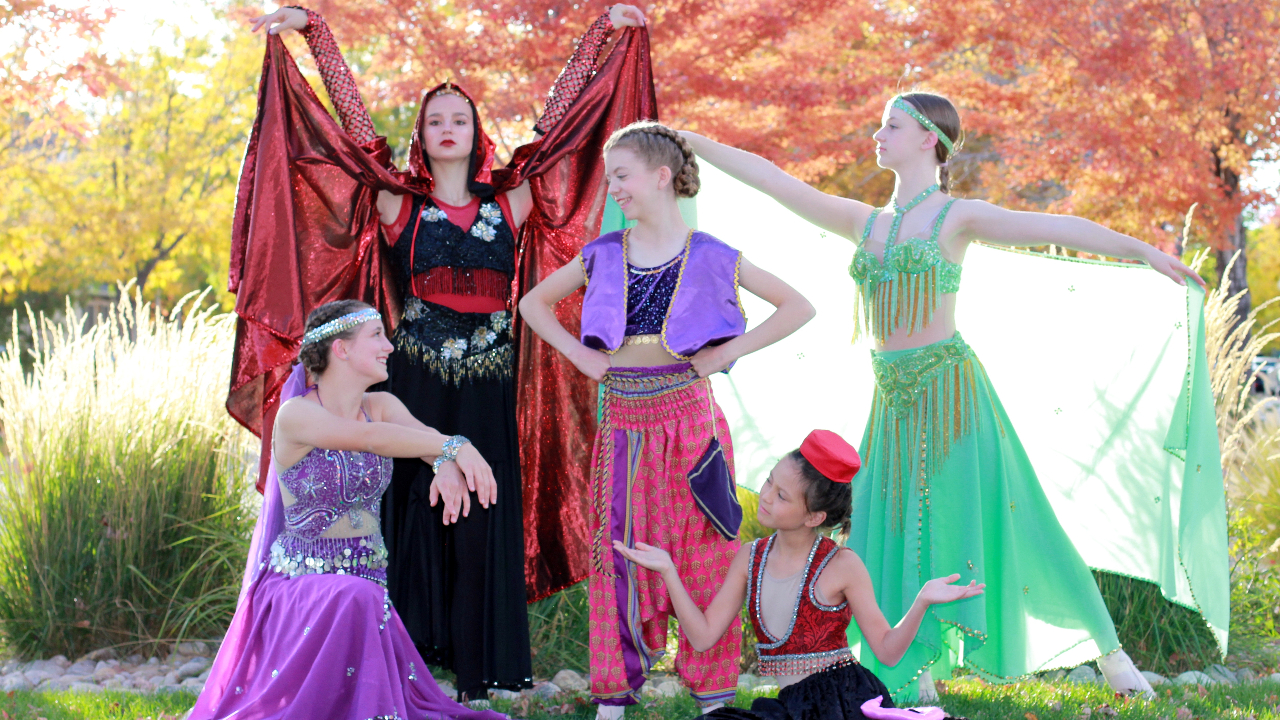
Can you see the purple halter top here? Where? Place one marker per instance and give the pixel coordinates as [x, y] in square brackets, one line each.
[331, 483]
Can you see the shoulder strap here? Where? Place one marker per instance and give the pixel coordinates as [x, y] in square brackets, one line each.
[942, 215]
[871, 221]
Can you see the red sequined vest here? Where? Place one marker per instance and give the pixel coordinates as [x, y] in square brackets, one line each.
[816, 639]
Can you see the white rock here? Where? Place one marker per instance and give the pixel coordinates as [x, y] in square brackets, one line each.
[765, 688]
[1221, 673]
[571, 681]
[85, 687]
[171, 678]
[35, 677]
[546, 690]
[153, 660]
[193, 648]
[15, 681]
[83, 667]
[193, 667]
[648, 690]
[194, 684]
[102, 654]
[670, 688]
[1083, 674]
[63, 683]
[11, 666]
[449, 690]
[1155, 679]
[1194, 677]
[1055, 675]
[504, 694]
[746, 681]
[105, 672]
[116, 683]
[135, 659]
[1245, 675]
[61, 661]
[47, 666]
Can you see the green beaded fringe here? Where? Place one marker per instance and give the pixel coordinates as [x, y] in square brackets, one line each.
[924, 403]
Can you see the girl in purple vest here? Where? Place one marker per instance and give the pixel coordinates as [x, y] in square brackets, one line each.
[801, 590]
[660, 314]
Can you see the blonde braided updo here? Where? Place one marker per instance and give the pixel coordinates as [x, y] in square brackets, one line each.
[659, 145]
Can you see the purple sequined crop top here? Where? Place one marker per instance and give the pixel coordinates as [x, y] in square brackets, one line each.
[649, 292]
[331, 483]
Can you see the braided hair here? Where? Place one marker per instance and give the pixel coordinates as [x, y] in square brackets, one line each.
[659, 145]
[315, 356]
[822, 494]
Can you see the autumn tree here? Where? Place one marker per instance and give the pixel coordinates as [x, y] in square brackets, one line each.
[148, 192]
[1125, 112]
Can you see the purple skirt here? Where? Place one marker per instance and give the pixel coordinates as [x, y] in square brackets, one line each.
[321, 647]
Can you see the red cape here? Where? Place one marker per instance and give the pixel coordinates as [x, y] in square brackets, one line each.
[306, 232]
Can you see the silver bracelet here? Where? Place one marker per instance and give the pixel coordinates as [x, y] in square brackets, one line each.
[449, 451]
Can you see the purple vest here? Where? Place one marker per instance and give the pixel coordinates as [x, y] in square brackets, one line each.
[704, 309]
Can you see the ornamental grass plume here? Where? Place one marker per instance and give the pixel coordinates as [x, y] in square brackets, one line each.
[124, 486]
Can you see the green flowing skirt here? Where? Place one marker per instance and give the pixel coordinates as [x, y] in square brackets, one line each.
[946, 487]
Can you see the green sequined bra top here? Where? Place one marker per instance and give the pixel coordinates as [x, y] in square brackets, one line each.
[906, 288]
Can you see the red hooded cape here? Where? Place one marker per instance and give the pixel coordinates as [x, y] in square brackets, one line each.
[306, 232]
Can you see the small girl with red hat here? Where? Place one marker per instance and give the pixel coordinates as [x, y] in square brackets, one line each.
[802, 589]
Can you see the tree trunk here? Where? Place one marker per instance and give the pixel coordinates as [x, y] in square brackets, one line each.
[1239, 280]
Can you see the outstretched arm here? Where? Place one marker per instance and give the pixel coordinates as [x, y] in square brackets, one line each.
[983, 221]
[338, 80]
[792, 311]
[841, 216]
[890, 643]
[702, 629]
[582, 64]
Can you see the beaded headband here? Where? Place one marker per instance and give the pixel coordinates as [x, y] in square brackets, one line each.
[906, 107]
[341, 324]
[451, 89]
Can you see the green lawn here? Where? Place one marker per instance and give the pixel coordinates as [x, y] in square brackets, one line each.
[1021, 701]
[974, 700]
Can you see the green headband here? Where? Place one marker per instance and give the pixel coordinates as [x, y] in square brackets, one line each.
[906, 107]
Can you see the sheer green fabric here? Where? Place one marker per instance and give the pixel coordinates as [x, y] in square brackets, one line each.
[1102, 373]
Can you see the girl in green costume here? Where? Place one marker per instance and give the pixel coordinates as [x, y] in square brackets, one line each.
[947, 483]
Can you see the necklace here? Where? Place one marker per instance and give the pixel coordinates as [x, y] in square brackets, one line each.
[899, 213]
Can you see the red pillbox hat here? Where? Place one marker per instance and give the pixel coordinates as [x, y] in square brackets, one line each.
[831, 455]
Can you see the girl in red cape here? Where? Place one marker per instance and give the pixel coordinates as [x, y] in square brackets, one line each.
[442, 249]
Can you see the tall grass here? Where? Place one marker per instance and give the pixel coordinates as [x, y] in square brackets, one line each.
[123, 484]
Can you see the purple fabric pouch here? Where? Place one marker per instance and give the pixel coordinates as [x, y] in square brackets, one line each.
[712, 486]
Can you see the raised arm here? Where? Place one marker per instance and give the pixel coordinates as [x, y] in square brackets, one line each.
[702, 629]
[791, 313]
[842, 216]
[888, 643]
[980, 220]
[338, 80]
[582, 64]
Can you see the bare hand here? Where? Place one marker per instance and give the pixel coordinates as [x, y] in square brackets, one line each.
[940, 590]
[710, 360]
[281, 20]
[626, 16]
[448, 485]
[646, 556]
[479, 475]
[592, 363]
[1172, 268]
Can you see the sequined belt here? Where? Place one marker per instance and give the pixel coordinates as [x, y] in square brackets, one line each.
[653, 339]
[456, 346]
[364, 557]
[804, 663]
[902, 377]
[924, 403]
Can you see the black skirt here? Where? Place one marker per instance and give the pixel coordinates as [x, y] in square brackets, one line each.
[836, 693]
[459, 589]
